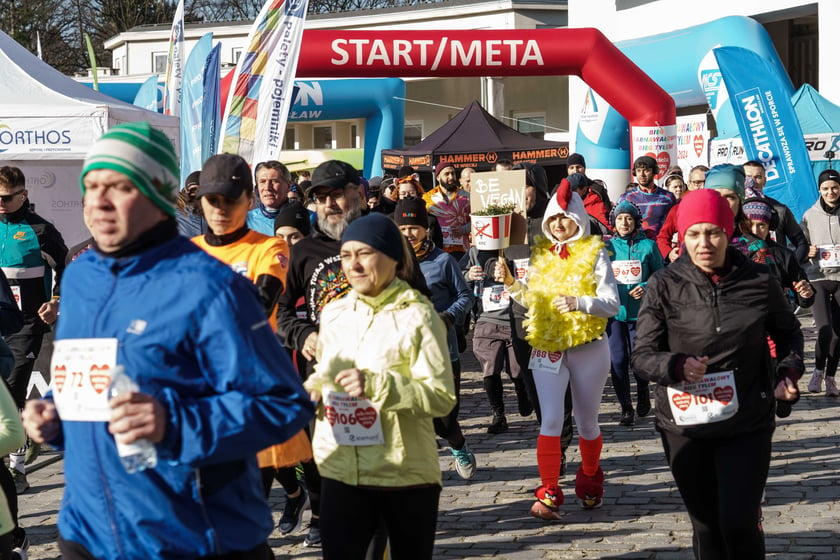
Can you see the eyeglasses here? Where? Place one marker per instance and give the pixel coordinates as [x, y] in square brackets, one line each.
[336, 195]
[9, 197]
[697, 183]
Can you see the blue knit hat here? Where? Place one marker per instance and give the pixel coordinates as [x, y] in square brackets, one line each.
[727, 176]
[626, 207]
[378, 231]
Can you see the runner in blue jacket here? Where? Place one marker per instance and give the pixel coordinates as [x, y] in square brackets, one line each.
[215, 386]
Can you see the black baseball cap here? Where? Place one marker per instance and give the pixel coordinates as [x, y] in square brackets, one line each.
[333, 174]
[226, 174]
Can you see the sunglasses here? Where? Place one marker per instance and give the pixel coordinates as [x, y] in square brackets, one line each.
[9, 197]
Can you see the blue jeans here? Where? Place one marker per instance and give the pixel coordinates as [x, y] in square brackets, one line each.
[622, 338]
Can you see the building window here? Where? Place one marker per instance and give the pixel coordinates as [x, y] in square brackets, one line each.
[413, 134]
[159, 62]
[235, 54]
[532, 124]
[354, 136]
[289, 139]
[322, 137]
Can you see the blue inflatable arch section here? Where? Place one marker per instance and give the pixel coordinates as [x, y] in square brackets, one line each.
[380, 101]
[680, 62]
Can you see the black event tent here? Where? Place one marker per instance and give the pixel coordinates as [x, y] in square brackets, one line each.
[474, 138]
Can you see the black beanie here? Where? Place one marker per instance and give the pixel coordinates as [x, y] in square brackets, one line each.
[828, 175]
[295, 215]
[411, 212]
[576, 159]
[378, 231]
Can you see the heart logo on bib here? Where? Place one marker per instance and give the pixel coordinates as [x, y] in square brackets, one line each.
[59, 375]
[331, 415]
[635, 270]
[366, 416]
[100, 378]
[682, 400]
[724, 394]
[554, 356]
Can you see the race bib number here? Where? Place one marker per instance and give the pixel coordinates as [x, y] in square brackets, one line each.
[452, 236]
[495, 298]
[548, 362]
[353, 421]
[520, 268]
[81, 373]
[829, 256]
[627, 272]
[713, 399]
[16, 294]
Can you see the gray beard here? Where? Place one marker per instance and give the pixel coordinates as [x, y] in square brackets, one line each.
[336, 230]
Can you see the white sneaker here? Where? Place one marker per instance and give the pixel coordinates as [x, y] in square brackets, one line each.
[831, 387]
[815, 385]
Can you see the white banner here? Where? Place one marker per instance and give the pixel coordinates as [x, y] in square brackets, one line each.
[175, 65]
[692, 142]
[263, 83]
[47, 137]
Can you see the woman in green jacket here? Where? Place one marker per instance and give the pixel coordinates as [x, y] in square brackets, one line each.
[383, 374]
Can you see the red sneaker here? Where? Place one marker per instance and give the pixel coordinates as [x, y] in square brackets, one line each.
[590, 489]
[547, 506]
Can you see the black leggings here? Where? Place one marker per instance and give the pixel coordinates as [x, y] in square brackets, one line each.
[826, 312]
[447, 427]
[287, 477]
[721, 482]
[409, 514]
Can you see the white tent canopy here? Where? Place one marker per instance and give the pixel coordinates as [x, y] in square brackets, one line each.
[48, 122]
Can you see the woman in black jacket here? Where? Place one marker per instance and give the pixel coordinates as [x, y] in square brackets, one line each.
[702, 337]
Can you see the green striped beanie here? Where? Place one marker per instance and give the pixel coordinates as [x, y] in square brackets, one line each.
[145, 155]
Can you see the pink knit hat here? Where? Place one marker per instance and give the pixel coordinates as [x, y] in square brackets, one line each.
[705, 206]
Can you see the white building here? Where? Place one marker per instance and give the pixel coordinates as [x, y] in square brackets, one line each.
[547, 106]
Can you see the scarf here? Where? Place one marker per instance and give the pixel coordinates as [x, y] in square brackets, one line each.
[423, 248]
[546, 328]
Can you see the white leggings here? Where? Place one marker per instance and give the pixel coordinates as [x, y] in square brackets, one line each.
[586, 368]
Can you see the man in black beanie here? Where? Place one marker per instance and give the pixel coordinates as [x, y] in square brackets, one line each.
[576, 163]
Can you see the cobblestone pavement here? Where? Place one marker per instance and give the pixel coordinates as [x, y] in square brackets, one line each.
[642, 516]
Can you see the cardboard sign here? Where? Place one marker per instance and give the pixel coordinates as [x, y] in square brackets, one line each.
[502, 187]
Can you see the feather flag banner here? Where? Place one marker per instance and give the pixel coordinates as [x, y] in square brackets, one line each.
[175, 65]
[262, 88]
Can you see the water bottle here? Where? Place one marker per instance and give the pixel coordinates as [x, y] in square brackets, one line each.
[478, 287]
[141, 454]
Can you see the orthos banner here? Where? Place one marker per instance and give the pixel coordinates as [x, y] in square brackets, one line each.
[35, 135]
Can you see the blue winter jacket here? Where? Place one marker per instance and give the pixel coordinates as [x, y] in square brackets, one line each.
[193, 334]
[636, 248]
[450, 292]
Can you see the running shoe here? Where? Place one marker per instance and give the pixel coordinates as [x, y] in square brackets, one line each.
[20, 544]
[831, 387]
[292, 516]
[815, 385]
[21, 484]
[499, 425]
[313, 536]
[547, 506]
[464, 462]
[590, 489]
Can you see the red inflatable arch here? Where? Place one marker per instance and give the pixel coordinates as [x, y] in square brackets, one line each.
[536, 52]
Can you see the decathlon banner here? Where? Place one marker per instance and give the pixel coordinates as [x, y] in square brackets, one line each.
[262, 90]
[192, 102]
[769, 127]
[175, 64]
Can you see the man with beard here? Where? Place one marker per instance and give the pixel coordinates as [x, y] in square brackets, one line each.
[315, 267]
[451, 206]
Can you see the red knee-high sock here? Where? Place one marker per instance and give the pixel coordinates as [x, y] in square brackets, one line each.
[548, 459]
[590, 454]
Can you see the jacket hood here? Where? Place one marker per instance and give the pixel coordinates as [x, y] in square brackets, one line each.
[574, 209]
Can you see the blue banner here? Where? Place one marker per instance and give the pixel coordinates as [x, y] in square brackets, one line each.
[147, 95]
[192, 101]
[211, 110]
[769, 127]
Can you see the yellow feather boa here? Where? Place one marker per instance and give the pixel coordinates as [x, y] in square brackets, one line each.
[550, 276]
